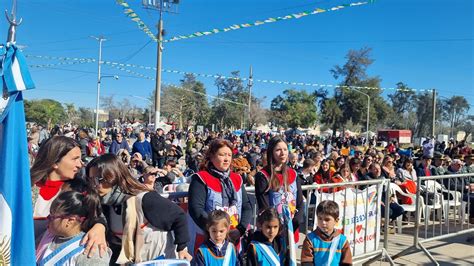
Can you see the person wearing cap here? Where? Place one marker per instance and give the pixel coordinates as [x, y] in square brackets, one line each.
[468, 164]
[425, 168]
[438, 165]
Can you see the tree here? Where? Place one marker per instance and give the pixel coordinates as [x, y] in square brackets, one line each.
[295, 108]
[86, 117]
[403, 106]
[424, 114]
[200, 111]
[454, 109]
[351, 102]
[258, 115]
[467, 126]
[71, 113]
[231, 111]
[44, 111]
[331, 114]
[176, 103]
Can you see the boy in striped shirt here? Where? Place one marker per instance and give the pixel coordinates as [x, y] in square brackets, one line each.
[326, 245]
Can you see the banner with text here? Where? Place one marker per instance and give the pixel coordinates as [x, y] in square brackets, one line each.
[359, 216]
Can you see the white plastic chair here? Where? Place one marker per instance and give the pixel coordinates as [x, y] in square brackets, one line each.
[394, 189]
[432, 186]
[455, 203]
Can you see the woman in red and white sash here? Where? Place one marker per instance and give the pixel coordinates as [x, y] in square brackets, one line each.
[56, 169]
[276, 184]
[216, 187]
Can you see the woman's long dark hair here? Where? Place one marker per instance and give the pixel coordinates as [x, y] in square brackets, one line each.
[84, 205]
[325, 175]
[115, 172]
[50, 153]
[270, 167]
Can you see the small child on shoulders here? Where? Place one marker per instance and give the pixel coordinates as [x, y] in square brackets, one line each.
[326, 245]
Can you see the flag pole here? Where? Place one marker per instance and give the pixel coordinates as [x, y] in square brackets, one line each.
[13, 23]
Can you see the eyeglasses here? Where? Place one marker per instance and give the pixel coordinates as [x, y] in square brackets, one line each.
[54, 217]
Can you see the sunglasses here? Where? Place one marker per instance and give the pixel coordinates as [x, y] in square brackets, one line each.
[99, 179]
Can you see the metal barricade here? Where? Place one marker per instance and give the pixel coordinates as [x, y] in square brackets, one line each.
[441, 193]
[369, 254]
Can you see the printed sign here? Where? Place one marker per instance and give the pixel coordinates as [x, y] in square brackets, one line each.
[359, 216]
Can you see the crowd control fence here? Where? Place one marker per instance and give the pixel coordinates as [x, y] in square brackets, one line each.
[445, 204]
[360, 214]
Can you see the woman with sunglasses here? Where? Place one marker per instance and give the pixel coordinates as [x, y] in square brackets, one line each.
[55, 170]
[142, 225]
[71, 215]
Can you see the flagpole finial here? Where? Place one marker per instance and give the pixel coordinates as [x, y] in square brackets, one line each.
[13, 23]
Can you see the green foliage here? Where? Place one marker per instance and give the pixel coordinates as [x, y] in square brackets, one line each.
[295, 108]
[46, 111]
[186, 104]
[86, 117]
[231, 113]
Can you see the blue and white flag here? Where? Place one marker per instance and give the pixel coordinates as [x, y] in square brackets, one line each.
[291, 237]
[15, 74]
[17, 245]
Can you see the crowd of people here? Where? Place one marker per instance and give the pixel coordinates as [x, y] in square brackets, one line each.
[98, 197]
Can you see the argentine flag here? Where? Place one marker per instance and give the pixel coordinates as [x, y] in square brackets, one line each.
[17, 245]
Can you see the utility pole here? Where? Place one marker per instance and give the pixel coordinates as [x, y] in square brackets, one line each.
[434, 114]
[100, 39]
[250, 84]
[170, 6]
[158, 67]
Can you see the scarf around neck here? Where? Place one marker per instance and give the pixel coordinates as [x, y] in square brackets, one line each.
[229, 197]
[114, 197]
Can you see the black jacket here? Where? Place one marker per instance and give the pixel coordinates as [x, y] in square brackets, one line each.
[197, 202]
[174, 220]
[157, 146]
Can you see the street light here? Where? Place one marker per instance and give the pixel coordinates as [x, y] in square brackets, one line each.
[368, 110]
[149, 110]
[99, 80]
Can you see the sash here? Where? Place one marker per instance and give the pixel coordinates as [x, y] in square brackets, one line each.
[228, 254]
[65, 252]
[291, 237]
[268, 252]
[333, 248]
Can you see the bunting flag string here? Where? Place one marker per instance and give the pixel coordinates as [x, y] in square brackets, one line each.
[142, 26]
[169, 84]
[124, 66]
[134, 17]
[62, 64]
[61, 58]
[266, 21]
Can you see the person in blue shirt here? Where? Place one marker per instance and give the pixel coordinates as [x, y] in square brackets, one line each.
[118, 144]
[217, 250]
[142, 146]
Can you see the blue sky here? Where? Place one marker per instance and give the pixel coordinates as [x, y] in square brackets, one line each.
[423, 43]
